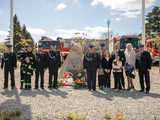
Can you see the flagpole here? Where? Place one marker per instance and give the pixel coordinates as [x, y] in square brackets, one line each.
[11, 24]
[143, 23]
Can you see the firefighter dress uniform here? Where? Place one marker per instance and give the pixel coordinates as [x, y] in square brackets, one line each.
[91, 64]
[54, 62]
[9, 63]
[40, 66]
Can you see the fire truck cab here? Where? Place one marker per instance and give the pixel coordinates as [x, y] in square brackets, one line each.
[45, 42]
[153, 46]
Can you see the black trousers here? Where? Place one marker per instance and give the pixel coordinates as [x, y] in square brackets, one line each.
[91, 80]
[146, 75]
[41, 74]
[6, 73]
[27, 80]
[101, 81]
[107, 80]
[53, 72]
[117, 80]
[122, 80]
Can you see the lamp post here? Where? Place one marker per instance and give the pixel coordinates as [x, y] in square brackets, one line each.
[11, 24]
[143, 23]
[107, 40]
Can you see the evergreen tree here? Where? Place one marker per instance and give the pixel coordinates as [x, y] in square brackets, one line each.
[21, 36]
[153, 21]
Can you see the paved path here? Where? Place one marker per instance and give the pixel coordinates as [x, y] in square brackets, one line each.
[45, 104]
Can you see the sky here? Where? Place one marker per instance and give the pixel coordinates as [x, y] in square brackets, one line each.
[63, 18]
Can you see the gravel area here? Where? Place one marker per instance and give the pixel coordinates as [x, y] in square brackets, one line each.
[46, 104]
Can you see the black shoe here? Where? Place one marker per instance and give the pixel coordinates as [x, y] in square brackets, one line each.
[49, 87]
[12, 88]
[5, 87]
[147, 92]
[36, 88]
[21, 87]
[128, 89]
[55, 87]
[89, 89]
[42, 87]
[141, 91]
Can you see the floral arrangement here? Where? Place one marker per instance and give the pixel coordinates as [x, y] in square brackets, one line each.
[79, 84]
[67, 79]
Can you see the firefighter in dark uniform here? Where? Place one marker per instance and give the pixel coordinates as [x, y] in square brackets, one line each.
[40, 67]
[9, 63]
[54, 62]
[143, 65]
[90, 65]
[21, 58]
[29, 59]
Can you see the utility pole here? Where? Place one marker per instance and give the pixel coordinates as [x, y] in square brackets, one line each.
[143, 23]
[107, 40]
[11, 23]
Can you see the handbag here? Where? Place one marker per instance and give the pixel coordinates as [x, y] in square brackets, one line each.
[129, 68]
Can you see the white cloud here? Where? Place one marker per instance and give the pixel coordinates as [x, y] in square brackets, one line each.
[130, 14]
[3, 35]
[117, 19]
[1, 12]
[123, 5]
[92, 32]
[36, 31]
[61, 6]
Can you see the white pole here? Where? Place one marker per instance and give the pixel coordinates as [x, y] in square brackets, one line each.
[143, 23]
[11, 23]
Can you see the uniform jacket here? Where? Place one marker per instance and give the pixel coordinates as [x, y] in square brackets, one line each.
[21, 57]
[54, 59]
[27, 69]
[31, 57]
[91, 61]
[9, 61]
[40, 60]
[143, 61]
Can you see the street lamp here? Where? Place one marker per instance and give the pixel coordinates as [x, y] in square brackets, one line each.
[143, 23]
[11, 23]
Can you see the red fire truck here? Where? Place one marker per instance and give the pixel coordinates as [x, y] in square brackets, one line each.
[120, 42]
[45, 42]
[153, 46]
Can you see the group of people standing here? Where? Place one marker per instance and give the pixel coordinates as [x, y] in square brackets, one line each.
[118, 62]
[101, 62]
[30, 63]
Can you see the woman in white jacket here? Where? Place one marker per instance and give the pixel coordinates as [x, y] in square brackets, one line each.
[130, 64]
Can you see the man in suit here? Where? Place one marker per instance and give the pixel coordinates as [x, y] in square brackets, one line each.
[143, 65]
[9, 64]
